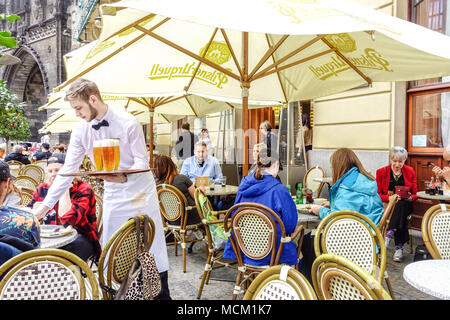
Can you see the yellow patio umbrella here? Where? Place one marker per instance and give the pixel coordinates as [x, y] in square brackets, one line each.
[267, 51]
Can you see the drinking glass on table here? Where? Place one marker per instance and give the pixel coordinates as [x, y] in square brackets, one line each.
[223, 181]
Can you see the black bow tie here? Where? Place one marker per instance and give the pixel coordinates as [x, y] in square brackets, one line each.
[100, 124]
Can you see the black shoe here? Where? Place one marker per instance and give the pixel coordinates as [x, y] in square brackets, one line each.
[190, 247]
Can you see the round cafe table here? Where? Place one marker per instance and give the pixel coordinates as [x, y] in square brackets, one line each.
[442, 198]
[306, 217]
[430, 276]
[221, 191]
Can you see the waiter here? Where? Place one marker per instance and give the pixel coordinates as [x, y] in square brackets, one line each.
[124, 195]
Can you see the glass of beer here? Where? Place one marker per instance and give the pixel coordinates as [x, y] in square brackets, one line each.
[108, 154]
[116, 154]
[98, 154]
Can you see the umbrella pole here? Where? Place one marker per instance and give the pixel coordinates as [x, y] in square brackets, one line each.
[245, 92]
[151, 136]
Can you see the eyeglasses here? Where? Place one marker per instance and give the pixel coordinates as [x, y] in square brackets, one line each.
[401, 150]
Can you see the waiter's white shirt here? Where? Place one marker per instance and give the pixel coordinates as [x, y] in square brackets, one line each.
[121, 200]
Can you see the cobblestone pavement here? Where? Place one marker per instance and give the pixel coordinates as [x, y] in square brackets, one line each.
[184, 286]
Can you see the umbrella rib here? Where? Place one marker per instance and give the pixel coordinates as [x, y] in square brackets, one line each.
[171, 99]
[268, 54]
[230, 105]
[366, 78]
[276, 69]
[301, 48]
[190, 105]
[292, 64]
[199, 63]
[189, 53]
[142, 102]
[131, 26]
[236, 62]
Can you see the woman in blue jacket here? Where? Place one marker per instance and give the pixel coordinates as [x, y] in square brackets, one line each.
[353, 188]
[264, 188]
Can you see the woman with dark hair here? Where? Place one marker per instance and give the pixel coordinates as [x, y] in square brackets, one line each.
[166, 172]
[353, 188]
[264, 188]
[270, 139]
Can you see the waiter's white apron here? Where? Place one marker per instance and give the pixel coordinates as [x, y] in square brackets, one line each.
[121, 201]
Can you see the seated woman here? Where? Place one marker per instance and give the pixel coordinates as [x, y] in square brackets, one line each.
[76, 208]
[13, 197]
[353, 188]
[264, 188]
[166, 172]
[397, 174]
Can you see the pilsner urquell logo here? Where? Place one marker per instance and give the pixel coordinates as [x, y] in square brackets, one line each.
[218, 53]
[370, 59]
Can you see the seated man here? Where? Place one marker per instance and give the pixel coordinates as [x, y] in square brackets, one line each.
[44, 153]
[444, 173]
[201, 164]
[18, 154]
[76, 208]
[19, 229]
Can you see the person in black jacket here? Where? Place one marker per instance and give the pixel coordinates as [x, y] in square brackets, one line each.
[185, 145]
[18, 155]
[44, 154]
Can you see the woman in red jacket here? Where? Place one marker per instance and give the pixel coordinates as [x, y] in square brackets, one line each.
[397, 174]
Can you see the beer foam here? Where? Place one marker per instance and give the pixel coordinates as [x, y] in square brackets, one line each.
[108, 143]
[98, 143]
[115, 142]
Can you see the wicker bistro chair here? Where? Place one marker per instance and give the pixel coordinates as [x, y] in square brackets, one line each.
[308, 180]
[33, 171]
[42, 164]
[173, 206]
[27, 182]
[26, 195]
[14, 167]
[254, 229]
[210, 221]
[280, 282]
[354, 236]
[99, 213]
[338, 278]
[47, 274]
[388, 211]
[119, 254]
[436, 231]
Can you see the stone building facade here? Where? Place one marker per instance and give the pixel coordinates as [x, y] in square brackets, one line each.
[44, 35]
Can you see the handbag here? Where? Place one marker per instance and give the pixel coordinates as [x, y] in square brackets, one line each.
[142, 281]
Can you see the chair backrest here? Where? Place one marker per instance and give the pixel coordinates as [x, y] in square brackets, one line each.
[26, 194]
[388, 211]
[14, 167]
[27, 182]
[33, 171]
[254, 229]
[46, 274]
[230, 170]
[338, 278]
[308, 179]
[436, 231]
[120, 252]
[354, 236]
[99, 213]
[203, 208]
[172, 203]
[280, 282]
[42, 164]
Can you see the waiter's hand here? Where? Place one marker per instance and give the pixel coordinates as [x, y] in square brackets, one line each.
[118, 178]
[39, 210]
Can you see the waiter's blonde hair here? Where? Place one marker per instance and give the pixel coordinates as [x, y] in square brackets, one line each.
[82, 89]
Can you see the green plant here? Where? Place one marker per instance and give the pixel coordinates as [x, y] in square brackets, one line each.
[13, 124]
[5, 36]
